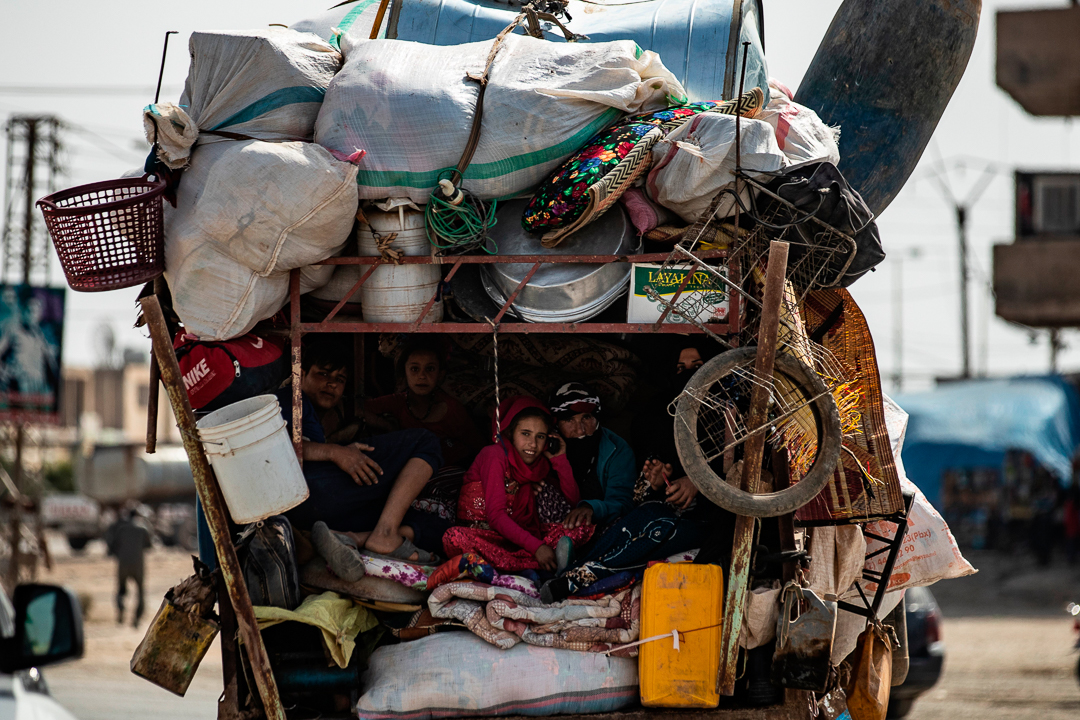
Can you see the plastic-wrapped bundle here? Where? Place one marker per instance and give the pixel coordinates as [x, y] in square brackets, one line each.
[410, 107]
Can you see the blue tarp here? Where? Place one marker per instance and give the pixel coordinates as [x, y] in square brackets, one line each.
[973, 423]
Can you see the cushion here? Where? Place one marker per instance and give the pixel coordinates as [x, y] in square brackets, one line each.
[456, 674]
[594, 177]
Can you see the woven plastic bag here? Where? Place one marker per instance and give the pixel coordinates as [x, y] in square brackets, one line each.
[247, 213]
[265, 84]
[698, 159]
[801, 135]
[929, 552]
[410, 107]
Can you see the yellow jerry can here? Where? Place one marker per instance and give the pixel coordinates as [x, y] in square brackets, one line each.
[683, 597]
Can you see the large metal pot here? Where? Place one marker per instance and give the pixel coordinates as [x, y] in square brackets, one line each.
[560, 292]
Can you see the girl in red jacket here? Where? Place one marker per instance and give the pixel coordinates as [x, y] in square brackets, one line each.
[497, 506]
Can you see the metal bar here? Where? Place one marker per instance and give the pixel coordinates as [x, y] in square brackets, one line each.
[524, 328]
[513, 296]
[296, 331]
[521, 259]
[352, 291]
[739, 573]
[214, 507]
[155, 381]
[427, 307]
[674, 298]
[890, 561]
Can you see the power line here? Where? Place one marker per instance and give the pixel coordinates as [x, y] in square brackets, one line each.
[144, 90]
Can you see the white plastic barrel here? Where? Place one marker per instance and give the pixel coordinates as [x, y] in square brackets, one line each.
[249, 448]
[398, 293]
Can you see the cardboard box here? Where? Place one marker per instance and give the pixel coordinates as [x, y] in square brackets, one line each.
[703, 293]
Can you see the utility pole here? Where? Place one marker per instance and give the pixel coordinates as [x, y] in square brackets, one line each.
[961, 209]
[35, 140]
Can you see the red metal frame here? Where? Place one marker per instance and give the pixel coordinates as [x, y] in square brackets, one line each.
[297, 328]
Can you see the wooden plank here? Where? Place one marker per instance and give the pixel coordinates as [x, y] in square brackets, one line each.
[738, 579]
[214, 507]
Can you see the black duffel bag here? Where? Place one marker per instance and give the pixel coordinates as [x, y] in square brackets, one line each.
[267, 553]
[818, 190]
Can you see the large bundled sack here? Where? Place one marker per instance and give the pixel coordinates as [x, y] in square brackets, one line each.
[800, 133]
[247, 213]
[455, 674]
[265, 84]
[410, 107]
[698, 158]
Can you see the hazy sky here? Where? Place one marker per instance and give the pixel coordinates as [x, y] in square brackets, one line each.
[101, 45]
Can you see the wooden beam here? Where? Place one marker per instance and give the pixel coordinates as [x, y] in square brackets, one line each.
[738, 580]
[214, 506]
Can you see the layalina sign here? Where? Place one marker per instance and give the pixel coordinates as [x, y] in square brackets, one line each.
[704, 295]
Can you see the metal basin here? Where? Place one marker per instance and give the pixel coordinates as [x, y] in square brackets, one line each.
[561, 292]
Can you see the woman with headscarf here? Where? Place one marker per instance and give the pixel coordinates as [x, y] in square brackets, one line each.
[669, 516]
[497, 503]
[603, 463]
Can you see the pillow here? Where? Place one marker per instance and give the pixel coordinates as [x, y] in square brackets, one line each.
[594, 177]
[457, 674]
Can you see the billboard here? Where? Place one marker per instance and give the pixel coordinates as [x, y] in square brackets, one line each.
[31, 330]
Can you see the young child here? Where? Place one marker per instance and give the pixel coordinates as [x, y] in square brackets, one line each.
[498, 504]
[424, 405]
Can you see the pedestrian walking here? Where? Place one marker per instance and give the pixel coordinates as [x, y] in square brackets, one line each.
[128, 539]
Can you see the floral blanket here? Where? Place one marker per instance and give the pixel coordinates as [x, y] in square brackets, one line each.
[506, 617]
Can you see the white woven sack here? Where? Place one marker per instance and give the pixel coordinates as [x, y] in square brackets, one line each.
[800, 133]
[929, 552]
[456, 674]
[247, 213]
[266, 84]
[410, 107]
[697, 159]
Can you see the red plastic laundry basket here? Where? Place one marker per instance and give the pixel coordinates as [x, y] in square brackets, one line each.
[108, 235]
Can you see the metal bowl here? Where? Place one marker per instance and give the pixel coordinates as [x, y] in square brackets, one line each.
[561, 292]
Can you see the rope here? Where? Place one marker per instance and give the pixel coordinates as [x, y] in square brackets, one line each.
[495, 350]
[456, 221]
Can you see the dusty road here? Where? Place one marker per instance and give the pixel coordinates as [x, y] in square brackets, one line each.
[100, 686]
[1007, 635]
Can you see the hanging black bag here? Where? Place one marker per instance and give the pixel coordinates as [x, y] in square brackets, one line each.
[267, 553]
[817, 189]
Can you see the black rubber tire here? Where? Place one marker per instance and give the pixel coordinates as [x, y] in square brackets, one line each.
[732, 498]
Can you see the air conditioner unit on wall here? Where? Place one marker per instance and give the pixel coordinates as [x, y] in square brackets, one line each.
[1047, 204]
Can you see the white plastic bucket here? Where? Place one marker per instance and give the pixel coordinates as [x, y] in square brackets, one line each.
[249, 448]
[398, 293]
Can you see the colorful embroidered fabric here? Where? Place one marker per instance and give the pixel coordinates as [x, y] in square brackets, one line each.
[622, 152]
[470, 566]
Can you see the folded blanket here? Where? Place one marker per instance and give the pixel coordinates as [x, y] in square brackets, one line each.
[505, 617]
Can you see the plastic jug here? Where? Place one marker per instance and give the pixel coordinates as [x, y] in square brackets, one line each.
[690, 599]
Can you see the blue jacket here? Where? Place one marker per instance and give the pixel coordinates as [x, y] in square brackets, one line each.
[617, 470]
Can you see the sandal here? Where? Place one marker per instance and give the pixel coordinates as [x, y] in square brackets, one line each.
[404, 553]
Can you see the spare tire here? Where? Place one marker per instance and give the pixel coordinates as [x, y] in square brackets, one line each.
[715, 487]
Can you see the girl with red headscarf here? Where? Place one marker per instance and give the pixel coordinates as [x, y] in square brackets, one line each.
[498, 504]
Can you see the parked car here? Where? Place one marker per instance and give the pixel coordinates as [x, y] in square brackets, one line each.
[43, 626]
[926, 650]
